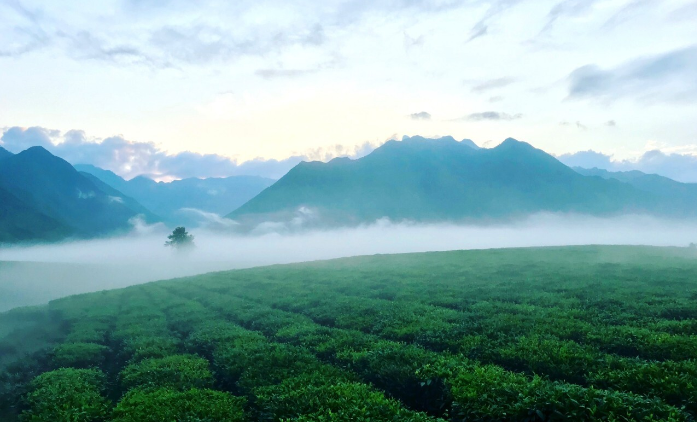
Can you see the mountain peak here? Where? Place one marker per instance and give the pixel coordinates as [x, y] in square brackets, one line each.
[39, 157]
[416, 146]
[470, 143]
[36, 150]
[419, 138]
[513, 141]
[443, 140]
[514, 144]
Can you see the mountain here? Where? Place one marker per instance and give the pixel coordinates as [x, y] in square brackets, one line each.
[5, 153]
[21, 222]
[440, 179]
[52, 187]
[106, 176]
[168, 199]
[116, 195]
[681, 195]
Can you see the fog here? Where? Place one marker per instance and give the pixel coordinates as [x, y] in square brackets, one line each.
[36, 274]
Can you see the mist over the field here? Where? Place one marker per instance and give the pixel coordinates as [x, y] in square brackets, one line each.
[35, 274]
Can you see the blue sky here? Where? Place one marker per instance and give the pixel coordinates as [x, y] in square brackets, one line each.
[132, 82]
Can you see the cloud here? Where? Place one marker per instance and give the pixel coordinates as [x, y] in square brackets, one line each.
[85, 45]
[410, 42]
[492, 84]
[566, 8]
[23, 33]
[627, 12]
[577, 123]
[587, 159]
[422, 115]
[283, 73]
[173, 33]
[210, 220]
[491, 115]
[129, 159]
[479, 30]
[686, 12]
[496, 8]
[667, 77]
[193, 38]
[495, 99]
[338, 150]
[680, 167]
[611, 123]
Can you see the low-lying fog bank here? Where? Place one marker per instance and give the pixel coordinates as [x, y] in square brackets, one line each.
[41, 273]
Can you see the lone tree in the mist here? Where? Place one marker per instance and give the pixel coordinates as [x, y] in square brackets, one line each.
[180, 239]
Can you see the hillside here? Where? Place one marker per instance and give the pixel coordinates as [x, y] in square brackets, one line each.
[20, 222]
[523, 335]
[51, 186]
[681, 195]
[442, 179]
[167, 199]
[5, 153]
[131, 203]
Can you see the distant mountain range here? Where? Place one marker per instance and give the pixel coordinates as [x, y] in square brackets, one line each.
[680, 196]
[176, 201]
[442, 179]
[45, 198]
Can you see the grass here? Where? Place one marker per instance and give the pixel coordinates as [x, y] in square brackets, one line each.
[568, 333]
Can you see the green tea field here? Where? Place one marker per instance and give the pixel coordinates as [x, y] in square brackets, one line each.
[537, 334]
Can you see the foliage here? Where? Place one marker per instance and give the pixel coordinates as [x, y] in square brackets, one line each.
[79, 355]
[582, 334]
[67, 395]
[180, 239]
[178, 372]
[195, 405]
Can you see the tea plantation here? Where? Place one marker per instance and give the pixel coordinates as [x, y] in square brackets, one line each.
[540, 334]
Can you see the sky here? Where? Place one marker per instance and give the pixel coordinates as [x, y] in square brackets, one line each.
[174, 88]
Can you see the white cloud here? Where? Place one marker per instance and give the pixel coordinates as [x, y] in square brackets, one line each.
[130, 159]
[665, 77]
[302, 75]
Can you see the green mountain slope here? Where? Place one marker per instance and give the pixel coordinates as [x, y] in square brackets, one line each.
[51, 186]
[106, 176]
[442, 179]
[216, 195]
[4, 153]
[21, 222]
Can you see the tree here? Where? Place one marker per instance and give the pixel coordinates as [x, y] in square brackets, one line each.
[180, 239]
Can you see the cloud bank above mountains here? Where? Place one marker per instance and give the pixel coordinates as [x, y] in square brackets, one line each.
[130, 159]
[274, 79]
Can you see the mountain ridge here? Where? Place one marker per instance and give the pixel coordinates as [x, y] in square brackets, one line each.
[54, 188]
[19, 222]
[441, 179]
[167, 199]
[682, 194]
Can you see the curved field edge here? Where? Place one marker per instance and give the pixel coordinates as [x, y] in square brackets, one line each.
[564, 333]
